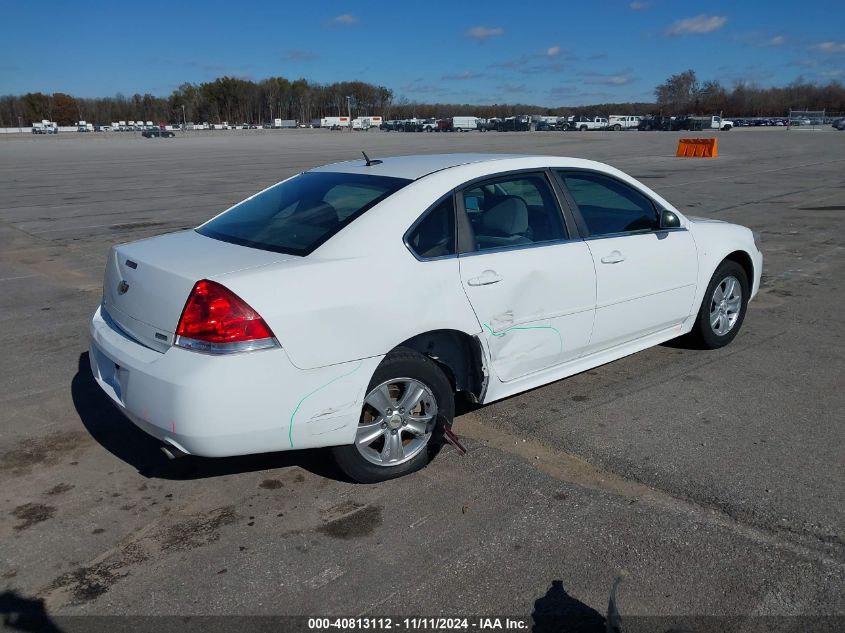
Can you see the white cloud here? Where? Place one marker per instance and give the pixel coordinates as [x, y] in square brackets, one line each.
[830, 47]
[621, 78]
[777, 40]
[482, 33]
[638, 6]
[553, 51]
[698, 24]
[299, 55]
[344, 19]
[462, 76]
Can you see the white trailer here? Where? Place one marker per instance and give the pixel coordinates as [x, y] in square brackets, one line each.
[284, 123]
[334, 122]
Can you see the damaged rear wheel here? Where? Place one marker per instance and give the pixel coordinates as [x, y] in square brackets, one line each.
[408, 401]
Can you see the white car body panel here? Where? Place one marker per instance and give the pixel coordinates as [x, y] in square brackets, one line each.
[355, 319]
[534, 317]
[214, 406]
[645, 283]
[166, 268]
[339, 310]
[716, 240]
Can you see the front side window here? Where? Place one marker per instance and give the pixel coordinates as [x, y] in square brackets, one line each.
[434, 236]
[298, 215]
[609, 206]
[517, 210]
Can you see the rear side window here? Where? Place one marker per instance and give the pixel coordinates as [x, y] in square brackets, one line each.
[434, 236]
[609, 206]
[300, 214]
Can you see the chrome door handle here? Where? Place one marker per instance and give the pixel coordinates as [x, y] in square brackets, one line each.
[485, 279]
[614, 258]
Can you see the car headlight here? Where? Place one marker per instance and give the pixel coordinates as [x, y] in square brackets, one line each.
[757, 242]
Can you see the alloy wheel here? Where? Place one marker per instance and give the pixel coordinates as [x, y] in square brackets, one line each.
[725, 305]
[397, 421]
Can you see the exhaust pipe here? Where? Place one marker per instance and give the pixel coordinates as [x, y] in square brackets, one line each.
[171, 452]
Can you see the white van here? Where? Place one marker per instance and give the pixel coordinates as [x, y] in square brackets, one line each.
[464, 123]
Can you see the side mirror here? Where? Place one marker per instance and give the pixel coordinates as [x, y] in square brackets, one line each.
[669, 220]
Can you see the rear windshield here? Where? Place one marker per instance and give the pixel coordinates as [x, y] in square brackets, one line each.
[298, 215]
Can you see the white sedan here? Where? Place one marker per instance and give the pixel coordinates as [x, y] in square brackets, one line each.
[346, 306]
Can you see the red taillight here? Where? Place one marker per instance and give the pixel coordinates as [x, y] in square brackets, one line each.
[215, 319]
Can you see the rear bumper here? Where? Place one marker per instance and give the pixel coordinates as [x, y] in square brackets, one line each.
[217, 406]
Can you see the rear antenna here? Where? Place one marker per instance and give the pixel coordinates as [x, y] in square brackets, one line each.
[370, 163]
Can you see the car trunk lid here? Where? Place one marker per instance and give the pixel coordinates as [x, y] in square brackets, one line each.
[147, 282]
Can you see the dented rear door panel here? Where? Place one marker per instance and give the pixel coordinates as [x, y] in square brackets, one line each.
[536, 305]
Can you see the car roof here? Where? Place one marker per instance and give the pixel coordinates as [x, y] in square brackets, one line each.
[410, 167]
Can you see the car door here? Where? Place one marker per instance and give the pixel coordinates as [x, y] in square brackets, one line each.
[645, 277]
[531, 287]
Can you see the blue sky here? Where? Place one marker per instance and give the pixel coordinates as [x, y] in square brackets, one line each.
[546, 53]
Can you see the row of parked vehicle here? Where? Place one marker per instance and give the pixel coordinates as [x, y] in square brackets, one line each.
[517, 123]
[525, 123]
[784, 121]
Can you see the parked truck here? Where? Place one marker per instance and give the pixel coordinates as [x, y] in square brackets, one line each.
[45, 127]
[430, 125]
[518, 123]
[583, 123]
[618, 122]
[712, 122]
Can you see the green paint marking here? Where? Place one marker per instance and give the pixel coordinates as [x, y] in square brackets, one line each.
[526, 327]
[304, 398]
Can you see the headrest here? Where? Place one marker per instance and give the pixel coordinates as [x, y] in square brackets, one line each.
[510, 216]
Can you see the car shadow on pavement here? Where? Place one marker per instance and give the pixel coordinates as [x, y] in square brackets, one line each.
[108, 426]
[686, 342]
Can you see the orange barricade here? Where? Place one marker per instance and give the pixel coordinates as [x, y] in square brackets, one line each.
[698, 148]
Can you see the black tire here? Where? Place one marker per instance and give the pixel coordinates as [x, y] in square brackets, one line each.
[583, 128]
[403, 363]
[617, 128]
[702, 332]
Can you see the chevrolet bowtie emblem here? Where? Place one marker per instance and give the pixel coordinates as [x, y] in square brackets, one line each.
[122, 287]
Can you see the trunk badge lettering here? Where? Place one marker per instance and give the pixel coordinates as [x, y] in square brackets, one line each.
[122, 287]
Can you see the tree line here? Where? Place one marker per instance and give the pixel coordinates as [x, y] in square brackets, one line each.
[685, 94]
[225, 99]
[243, 101]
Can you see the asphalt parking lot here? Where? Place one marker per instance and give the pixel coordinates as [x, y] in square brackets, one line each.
[714, 482]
